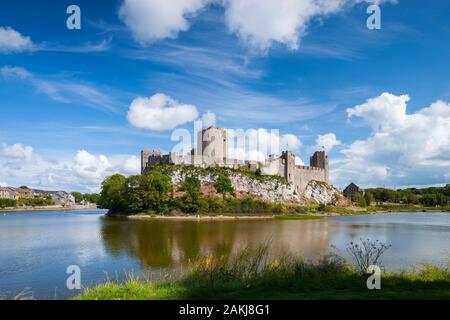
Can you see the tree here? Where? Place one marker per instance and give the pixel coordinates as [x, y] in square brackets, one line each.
[368, 197]
[359, 199]
[78, 196]
[148, 191]
[223, 185]
[137, 194]
[447, 190]
[191, 186]
[5, 203]
[429, 200]
[159, 184]
[93, 197]
[258, 172]
[113, 196]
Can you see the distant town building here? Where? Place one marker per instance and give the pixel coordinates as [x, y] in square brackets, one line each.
[352, 189]
[58, 197]
[8, 193]
[212, 150]
[24, 193]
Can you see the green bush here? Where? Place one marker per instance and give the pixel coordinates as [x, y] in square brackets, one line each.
[223, 185]
[192, 186]
[36, 202]
[7, 203]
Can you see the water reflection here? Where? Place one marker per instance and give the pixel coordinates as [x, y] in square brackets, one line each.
[164, 244]
[36, 248]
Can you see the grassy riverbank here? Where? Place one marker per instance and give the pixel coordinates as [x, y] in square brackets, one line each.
[47, 208]
[247, 209]
[169, 190]
[250, 274]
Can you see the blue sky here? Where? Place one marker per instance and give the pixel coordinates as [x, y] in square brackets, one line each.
[65, 94]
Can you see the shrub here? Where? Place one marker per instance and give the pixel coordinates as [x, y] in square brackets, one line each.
[367, 253]
[359, 199]
[191, 186]
[223, 185]
[6, 203]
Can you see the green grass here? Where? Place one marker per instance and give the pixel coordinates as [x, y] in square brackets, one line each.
[211, 206]
[251, 274]
[406, 208]
[296, 217]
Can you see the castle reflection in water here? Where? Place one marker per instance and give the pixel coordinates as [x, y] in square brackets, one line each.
[169, 244]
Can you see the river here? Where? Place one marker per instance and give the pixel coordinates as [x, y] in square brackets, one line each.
[37, 247]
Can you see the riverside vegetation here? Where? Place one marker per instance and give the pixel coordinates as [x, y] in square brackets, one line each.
[32, 202]
[43, 201]
[154, 193]
[255, 274]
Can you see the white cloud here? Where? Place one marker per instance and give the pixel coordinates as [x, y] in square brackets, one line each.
[84, 172]
[244, 154]
[209, 119]
[17, 151]
[299, 161]
[257, 144]
[12, 41]
[9, 72]
[151, 20]
[261, 23]
[62, 90]
[160, 112]
[327, 141]
[382, 113]
[289, 142]
[132, 165]
[257, 23]
[402, 149]
[90, 166]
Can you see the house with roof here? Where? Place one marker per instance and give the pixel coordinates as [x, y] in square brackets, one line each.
[351, 190]
[8, 193]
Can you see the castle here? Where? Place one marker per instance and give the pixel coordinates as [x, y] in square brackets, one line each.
[212, 150]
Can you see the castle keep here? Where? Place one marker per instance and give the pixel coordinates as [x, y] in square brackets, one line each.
[212, 150]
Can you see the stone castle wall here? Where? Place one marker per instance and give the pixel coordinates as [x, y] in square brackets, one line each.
[214, 152]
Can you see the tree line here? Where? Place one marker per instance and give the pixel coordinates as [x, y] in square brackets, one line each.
[154, 191]
[430, 197]
[33, 202]
[85, 197]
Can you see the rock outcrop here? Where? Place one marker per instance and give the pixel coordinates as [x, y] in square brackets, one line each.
[269, 189]
[321, 192]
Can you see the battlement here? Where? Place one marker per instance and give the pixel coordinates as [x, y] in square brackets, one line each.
[309, 168]
[212, 150]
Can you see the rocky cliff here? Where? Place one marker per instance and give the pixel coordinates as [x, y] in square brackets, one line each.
[268, 188]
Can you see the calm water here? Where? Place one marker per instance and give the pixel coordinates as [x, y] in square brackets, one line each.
[36, 248]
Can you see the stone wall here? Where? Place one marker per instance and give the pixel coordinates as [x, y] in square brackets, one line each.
[212, 150]
[304, 174]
